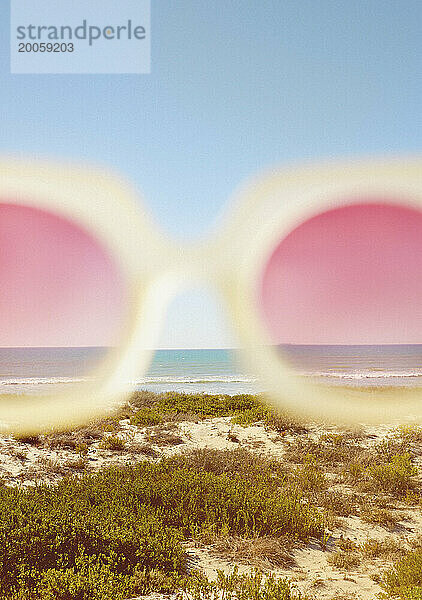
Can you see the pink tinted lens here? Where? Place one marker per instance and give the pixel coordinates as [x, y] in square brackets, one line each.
[59, 289]
[348, 276]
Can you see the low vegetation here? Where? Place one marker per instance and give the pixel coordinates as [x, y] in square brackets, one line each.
[113, 443]
[242, 587]
[345, 560]
[245, 409]
[404, 580]
[118, 533]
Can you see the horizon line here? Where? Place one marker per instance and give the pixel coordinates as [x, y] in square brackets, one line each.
[223, 347]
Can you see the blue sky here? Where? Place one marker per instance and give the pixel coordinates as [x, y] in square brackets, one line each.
[236, 86]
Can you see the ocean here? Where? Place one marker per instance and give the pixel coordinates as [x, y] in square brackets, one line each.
[216, 370]
[213, 371]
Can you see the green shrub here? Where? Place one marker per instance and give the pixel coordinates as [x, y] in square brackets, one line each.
[384, 472]
[81, 449]
[282, 422]
[251, 415]
[192, 500]
[91, 579]
[83, 535]
[404, 580]
[309, 477]
[205, 405]
[88, 579]
[241, 587]
[388, 448]
[240, 462]
[153, 409]
[112, 442]
[355, 471]
[118, 533]
[146, 417]
[395, 477]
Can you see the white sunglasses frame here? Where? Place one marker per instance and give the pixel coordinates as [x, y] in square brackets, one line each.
[231, 258]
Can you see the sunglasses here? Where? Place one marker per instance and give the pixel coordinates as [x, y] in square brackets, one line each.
[319, 268]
